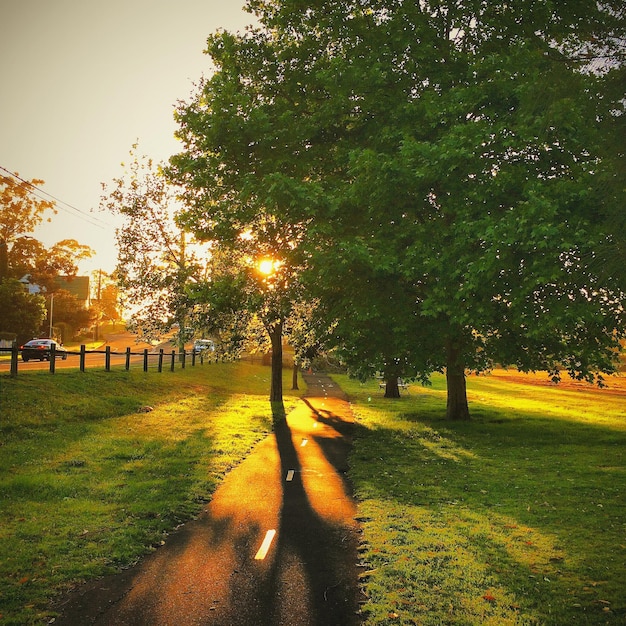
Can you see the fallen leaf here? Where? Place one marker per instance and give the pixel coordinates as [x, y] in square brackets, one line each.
[489, 597]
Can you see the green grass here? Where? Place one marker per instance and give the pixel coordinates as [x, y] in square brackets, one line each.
[517, 517]
[88, 483]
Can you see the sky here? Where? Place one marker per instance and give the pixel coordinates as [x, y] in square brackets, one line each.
[81, 81]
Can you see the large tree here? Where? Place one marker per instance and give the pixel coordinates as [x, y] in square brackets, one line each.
[230, 202]
[458, 146]
[22, 210]
[21, 313]
[251, 287]
[156, 262]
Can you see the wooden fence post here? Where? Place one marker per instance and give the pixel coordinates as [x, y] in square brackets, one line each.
[127, 358]
[107, 359]
[14, 353]
[173, 360]
[82, 357]
[53, 358]
[145, 360]
[160, 360]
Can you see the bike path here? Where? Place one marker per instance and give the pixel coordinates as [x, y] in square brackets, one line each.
[277, 544]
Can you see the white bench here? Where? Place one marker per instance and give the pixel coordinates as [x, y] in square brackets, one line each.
[401, 384]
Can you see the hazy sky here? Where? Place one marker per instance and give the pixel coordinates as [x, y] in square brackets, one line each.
[82, 80]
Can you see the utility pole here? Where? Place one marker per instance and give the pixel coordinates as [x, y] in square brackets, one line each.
[51, 311]
[96, 337]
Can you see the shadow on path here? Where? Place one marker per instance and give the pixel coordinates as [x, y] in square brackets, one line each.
[208, 573]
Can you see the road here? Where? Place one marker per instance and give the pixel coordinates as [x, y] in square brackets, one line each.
[118, 344]
[276, 546]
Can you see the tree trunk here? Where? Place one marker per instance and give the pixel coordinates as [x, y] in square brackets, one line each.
[457, 407]
[392, 390]
[294, 380]
[391, 374]
[276, 337]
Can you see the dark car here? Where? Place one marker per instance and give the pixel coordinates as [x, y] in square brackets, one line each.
[41, 349]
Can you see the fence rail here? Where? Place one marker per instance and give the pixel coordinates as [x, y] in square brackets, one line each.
[158, 359]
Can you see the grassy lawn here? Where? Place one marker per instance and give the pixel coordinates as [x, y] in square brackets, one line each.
[89, 482]
[518, 517]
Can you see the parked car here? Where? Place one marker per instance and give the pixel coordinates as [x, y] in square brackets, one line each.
[41, 349]
[203, 345]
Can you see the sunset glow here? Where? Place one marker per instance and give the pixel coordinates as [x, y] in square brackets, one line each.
[268, 266]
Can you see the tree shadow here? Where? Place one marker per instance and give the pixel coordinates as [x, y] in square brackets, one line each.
[326, 552]
[278, 412]
[207, 573]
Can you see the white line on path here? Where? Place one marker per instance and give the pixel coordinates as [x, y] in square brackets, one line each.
[265, 546]
[304, 442]
[290, 474]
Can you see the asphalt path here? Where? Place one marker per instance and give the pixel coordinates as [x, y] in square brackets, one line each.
[277, 544]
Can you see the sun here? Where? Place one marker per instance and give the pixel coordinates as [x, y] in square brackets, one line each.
[267, 266]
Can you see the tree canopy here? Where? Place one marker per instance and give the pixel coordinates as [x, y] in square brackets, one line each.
[21, 313]
[20, 253]
[450, 163]
[21, 210]
[156, 263]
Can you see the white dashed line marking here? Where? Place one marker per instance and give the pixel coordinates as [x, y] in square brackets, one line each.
[265, 546]
[290, 474]
[304, 442]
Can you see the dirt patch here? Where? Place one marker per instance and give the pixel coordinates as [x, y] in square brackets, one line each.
[615, 385]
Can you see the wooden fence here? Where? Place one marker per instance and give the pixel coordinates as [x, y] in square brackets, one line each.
[158, 359]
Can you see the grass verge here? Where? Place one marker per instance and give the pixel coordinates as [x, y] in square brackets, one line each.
[517, 517]
[89, 482]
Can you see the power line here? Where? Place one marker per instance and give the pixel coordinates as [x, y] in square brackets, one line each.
[92, 219]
